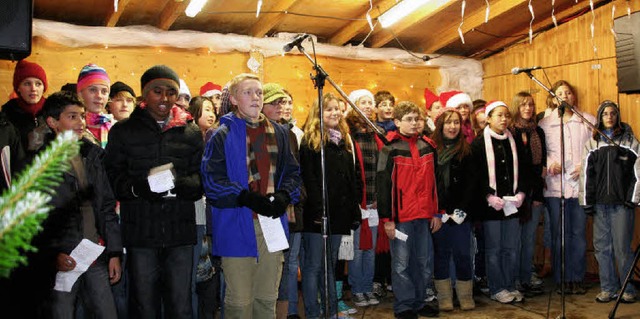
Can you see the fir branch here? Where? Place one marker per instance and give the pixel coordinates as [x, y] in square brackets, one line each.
[23, 206]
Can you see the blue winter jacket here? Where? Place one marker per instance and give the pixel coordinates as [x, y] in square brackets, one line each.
[224, 175]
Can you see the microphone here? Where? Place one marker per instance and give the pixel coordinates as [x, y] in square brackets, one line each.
[520, 70]
[295, 42]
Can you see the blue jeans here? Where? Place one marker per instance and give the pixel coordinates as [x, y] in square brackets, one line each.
[313, 273]
[160, 274]
[574, 238]
[289, 282]
[612, 235]
[93, 289]
[501, 238]
[196, 258]
[361, 268]
[524, 261]
[453, 241]
[409, 260]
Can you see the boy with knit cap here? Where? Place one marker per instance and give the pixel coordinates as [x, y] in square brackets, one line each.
[158, 226]
[93, 90]
[122, 100]
[29, 84]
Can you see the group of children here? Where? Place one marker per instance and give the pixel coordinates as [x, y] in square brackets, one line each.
[415, 201]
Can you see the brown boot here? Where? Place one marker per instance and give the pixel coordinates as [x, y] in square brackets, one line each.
[445, 301]
[546, 267]
[464, 289]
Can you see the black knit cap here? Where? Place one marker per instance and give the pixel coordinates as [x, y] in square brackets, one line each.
[119, 87]
[159, 75]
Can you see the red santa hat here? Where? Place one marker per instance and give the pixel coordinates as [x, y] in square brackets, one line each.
[429, 98]
[492, 105]
[455, 98]
[210, 89]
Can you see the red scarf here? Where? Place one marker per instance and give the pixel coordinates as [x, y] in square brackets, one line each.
[32, 109]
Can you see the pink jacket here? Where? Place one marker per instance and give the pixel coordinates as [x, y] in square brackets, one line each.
[576, 135]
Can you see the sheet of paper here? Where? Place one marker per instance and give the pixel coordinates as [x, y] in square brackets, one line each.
[84, 254]
[161, 181]
[401, 236]
[273, 233]
[509, 205]
[445, 218]
[371, 214]
[573, 183]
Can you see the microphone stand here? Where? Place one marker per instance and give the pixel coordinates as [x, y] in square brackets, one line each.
[561, 109]
[319, 82]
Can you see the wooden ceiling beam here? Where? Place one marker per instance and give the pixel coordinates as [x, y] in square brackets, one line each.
[384, 36]
[113, 17]
[353, 28]
[472, 20]
[537, 26]
[268, 21]
[170, 13]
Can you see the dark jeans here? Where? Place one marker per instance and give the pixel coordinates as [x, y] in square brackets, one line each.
[95, 291]
[453, 240]
[160, 274]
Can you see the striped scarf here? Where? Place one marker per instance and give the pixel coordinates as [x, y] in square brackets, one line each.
[270, 145]
[491, 160]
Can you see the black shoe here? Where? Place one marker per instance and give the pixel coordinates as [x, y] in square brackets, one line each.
[577, 288]
[428, 311]
[294, 316]
[407, 314]
[567, 288]
[531, 291]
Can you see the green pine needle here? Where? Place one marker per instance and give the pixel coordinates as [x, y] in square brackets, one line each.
[23, 207]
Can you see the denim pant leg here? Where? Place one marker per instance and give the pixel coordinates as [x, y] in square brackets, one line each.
[361, 268]
[144, 275]
[510, 231]
[501, 239]
[200, 230]
[577, 235]
[527, 245]
[96, 292]
[546, 228]
[623, 221]
[408, 265]
[177, 264]
[295, 241]
[461, 237]
[443, 249]
[553, 206]
[313, 273]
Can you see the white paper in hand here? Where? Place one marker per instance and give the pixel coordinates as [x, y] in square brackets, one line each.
[401, 236]
[510, 205]
[84, 254]
[161, 178]
[273, 233]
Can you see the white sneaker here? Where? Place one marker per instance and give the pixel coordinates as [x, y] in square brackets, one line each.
[431, 295]
[371, 299]
[517, 296]
[503, 296]
[360, 300]
[535, 281]
[628, 298]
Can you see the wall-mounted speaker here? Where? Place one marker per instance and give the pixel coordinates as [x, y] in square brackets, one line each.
[627, 30]
[15, 29]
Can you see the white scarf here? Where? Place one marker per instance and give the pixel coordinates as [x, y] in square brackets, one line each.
[491, 160]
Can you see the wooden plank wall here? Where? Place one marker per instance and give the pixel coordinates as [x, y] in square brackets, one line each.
[196, 67]
[567, 52]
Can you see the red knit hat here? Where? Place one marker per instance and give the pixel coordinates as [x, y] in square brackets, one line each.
[210, 89]
[455, 98]
[25, 69]
[429, 98]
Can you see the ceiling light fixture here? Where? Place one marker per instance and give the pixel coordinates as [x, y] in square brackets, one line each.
[404, 8]
[194, 7]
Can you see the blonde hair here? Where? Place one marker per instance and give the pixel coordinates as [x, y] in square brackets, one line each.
[312, 126]
[124, 95]
[233, 84]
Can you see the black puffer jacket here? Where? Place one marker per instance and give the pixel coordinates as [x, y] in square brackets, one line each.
[27, 125]
[342, 188]
[136, 145]
[10, 136]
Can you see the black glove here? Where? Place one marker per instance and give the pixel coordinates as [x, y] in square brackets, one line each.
[630, 205]
[140, 188]
[256, 202]
[589, 210]
[280, 200]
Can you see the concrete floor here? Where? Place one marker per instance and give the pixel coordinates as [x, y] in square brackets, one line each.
[547, 305]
